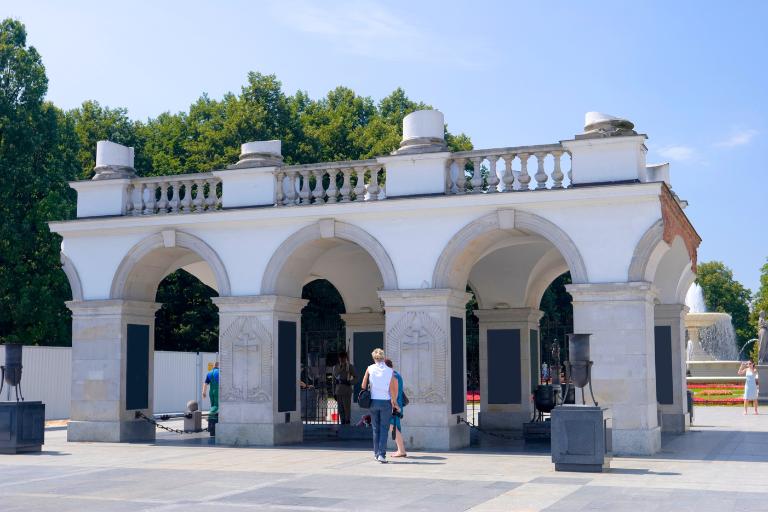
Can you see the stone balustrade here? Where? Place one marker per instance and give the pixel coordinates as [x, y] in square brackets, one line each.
[506, 170]
[332, 182]
[608, 152]
[184, 193]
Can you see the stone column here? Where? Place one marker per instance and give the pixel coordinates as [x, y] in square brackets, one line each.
[509, 366]
[259, 348]
[425, 338]
[364, 332]
[670, 353]
[620, 318]
[113, 353]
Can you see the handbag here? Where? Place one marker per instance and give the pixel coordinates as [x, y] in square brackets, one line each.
[364, 398]
[405, 399]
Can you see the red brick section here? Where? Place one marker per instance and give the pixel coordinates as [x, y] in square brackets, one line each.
[677, 224]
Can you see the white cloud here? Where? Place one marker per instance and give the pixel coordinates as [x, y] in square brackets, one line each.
[738, 138]
[678, 153]
[371, 30]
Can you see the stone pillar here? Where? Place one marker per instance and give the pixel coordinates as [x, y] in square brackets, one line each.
[259, 348]
[425, 338]
[364, 332]
[670, 354]
[113, 352]
[620, 318]
[509, 366]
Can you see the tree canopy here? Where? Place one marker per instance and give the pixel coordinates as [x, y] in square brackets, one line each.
[722, 293]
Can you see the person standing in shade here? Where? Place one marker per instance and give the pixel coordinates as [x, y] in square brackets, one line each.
[344, 377]
[750, 384]
[395, 425]
[212, 381]
[384, 391]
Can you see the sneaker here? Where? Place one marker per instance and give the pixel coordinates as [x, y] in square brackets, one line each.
[381, 459]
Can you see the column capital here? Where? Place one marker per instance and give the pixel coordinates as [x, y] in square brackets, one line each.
[259, 304]
[612, 292]
[509, 315]
[364, 319]
[111, 307]
[427, 297]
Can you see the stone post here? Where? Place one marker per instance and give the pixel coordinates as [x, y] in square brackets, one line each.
[670, 354]
[113, 347]
[251, 181]
[418, 166]
[364, 332]
[425, 338]
[259, 359]
[509, 366]
[620, 318]
[108, 191]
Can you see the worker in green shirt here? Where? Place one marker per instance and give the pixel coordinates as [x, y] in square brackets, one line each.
[212, 380]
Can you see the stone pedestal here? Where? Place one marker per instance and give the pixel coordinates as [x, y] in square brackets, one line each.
[113, 347]
[22, 427]
[620, 317]
[425, 338]
[509, 366]
[670, 355]
[259, 360]
[762, 391]
[364, 331]
[581, 438]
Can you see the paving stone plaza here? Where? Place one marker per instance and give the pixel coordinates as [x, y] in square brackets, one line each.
[720, 465]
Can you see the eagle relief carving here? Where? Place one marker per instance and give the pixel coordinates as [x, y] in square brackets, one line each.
[419, 343]
[246, 361]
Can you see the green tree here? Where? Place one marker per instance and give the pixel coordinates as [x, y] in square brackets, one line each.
[722, 293]
[760, 302]
[37, 158]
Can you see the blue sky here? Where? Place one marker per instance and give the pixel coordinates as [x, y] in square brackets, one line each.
[692, 75]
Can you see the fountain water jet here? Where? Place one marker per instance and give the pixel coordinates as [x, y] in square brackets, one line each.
[712, 340]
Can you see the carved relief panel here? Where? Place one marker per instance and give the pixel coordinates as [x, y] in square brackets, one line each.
[246, 361]
[418, 343]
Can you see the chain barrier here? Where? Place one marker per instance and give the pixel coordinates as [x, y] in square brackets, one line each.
[164, 417]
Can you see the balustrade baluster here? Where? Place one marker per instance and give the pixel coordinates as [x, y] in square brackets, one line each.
[524, 178]
[493, 178]
[186, 203]
[373, 186]
[448, 177]
[173, 197]
[279, 178]
[162, 203]
[477, 175]
[570, 170]
[333, 190]
[290, 199]
[149, 205]
[541, 174]
[509, 177]
[461, 179]
[129, 199]
[210, 196]
[138, 201]
[304, 193]
[359, 184]
[557, 173]
[346, 187]
[198, 202]
[216, 195]
[318, 192]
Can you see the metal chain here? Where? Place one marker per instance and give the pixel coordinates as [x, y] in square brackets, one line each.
[154, 422]
[488, 433]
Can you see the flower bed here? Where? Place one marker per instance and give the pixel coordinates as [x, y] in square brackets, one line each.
[717, 394]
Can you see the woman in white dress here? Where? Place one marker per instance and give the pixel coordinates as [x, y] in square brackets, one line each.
[750, 384]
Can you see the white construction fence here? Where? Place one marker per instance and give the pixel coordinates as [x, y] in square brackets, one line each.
[47, 376]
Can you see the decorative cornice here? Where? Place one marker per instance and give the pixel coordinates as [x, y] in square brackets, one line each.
[676, 223]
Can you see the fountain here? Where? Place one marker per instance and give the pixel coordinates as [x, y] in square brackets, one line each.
[712, 349]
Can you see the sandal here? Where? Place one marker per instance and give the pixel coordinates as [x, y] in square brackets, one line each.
[404, 455]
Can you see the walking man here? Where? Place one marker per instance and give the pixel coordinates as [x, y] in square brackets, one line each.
[212, 380]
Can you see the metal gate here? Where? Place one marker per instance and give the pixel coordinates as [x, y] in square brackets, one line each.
[320, 348]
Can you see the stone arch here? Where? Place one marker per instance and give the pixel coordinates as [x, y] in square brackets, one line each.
[648, 253]
[74, 278]
[469, 244]
[328, 229]
[169, 239]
